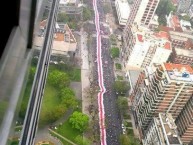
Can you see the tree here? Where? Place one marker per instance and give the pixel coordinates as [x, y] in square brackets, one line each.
[124, 139]
[62, 17]
[82, 141]
[162, 20]
[58, 79]
[122, 104]
[79, 120]
[163, 9]
[121, 87]
[68, 98]
[86, 14]
[114, 52]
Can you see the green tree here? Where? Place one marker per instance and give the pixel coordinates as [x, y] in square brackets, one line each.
[186, 18]
[121, 87]
[86, 14]
[58, 79]
[163, 9]
[79, 120]
[114, 52]
[82, 141]
[63, 17]
[68, 98]
[122, 104]
[162, 20]
[124, 139]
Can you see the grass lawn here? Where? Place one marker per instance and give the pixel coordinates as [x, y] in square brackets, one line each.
[3, 107]
[120, 78]
[130, 132]
[128, 124]
[50, 102]
[118, 66]
[61, 139]
[67, 131]
[126, 116]
[75, 75]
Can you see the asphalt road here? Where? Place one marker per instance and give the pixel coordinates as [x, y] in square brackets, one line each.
[113, 119]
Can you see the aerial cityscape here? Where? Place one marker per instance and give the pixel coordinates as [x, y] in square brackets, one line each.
[101, 72]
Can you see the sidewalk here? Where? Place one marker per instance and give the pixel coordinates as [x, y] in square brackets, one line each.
[85, 72]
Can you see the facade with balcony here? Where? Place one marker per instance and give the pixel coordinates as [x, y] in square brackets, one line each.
[162, 131]
[166, 88]
[142, 12]
[185, 122]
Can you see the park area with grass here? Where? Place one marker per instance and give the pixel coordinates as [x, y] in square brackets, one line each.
[67, 131]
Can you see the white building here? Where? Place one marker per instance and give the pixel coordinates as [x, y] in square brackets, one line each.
[142, 11]
[162, 131]
[146, 48]
[123, 11]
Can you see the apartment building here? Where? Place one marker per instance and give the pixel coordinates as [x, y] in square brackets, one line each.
[162, 131]
[163, 88]
[185, 122]
[142, 12]
[123, 10]
[147, 46]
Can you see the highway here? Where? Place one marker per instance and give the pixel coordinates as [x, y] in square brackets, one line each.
[34, 105]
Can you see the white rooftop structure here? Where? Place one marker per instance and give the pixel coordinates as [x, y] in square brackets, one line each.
[64, 2]
[185, 25]
[123, 11]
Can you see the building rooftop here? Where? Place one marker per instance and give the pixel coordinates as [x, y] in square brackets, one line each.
[179, 72]
[184, 52]
[140, 37]
[124, 8]
[169, 129]
[64, 41]
[159, 39]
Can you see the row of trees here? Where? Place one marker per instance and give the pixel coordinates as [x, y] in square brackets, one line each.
[66, 95]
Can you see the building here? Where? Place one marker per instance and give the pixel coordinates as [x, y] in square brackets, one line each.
[64, 41]
[182, 55]
[142, 12]
[68, 6]
[147, 46]
[183, 6]
[123, 10]
[173, 22]
[185, 122]
[162, 131]
[164, 88]
[154, 22]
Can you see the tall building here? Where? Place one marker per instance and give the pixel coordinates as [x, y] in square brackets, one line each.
[147, 46]
[164, 88]
[183, 6]
[142, 12]
[185, 122]
[123, 10]
[162, 131]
